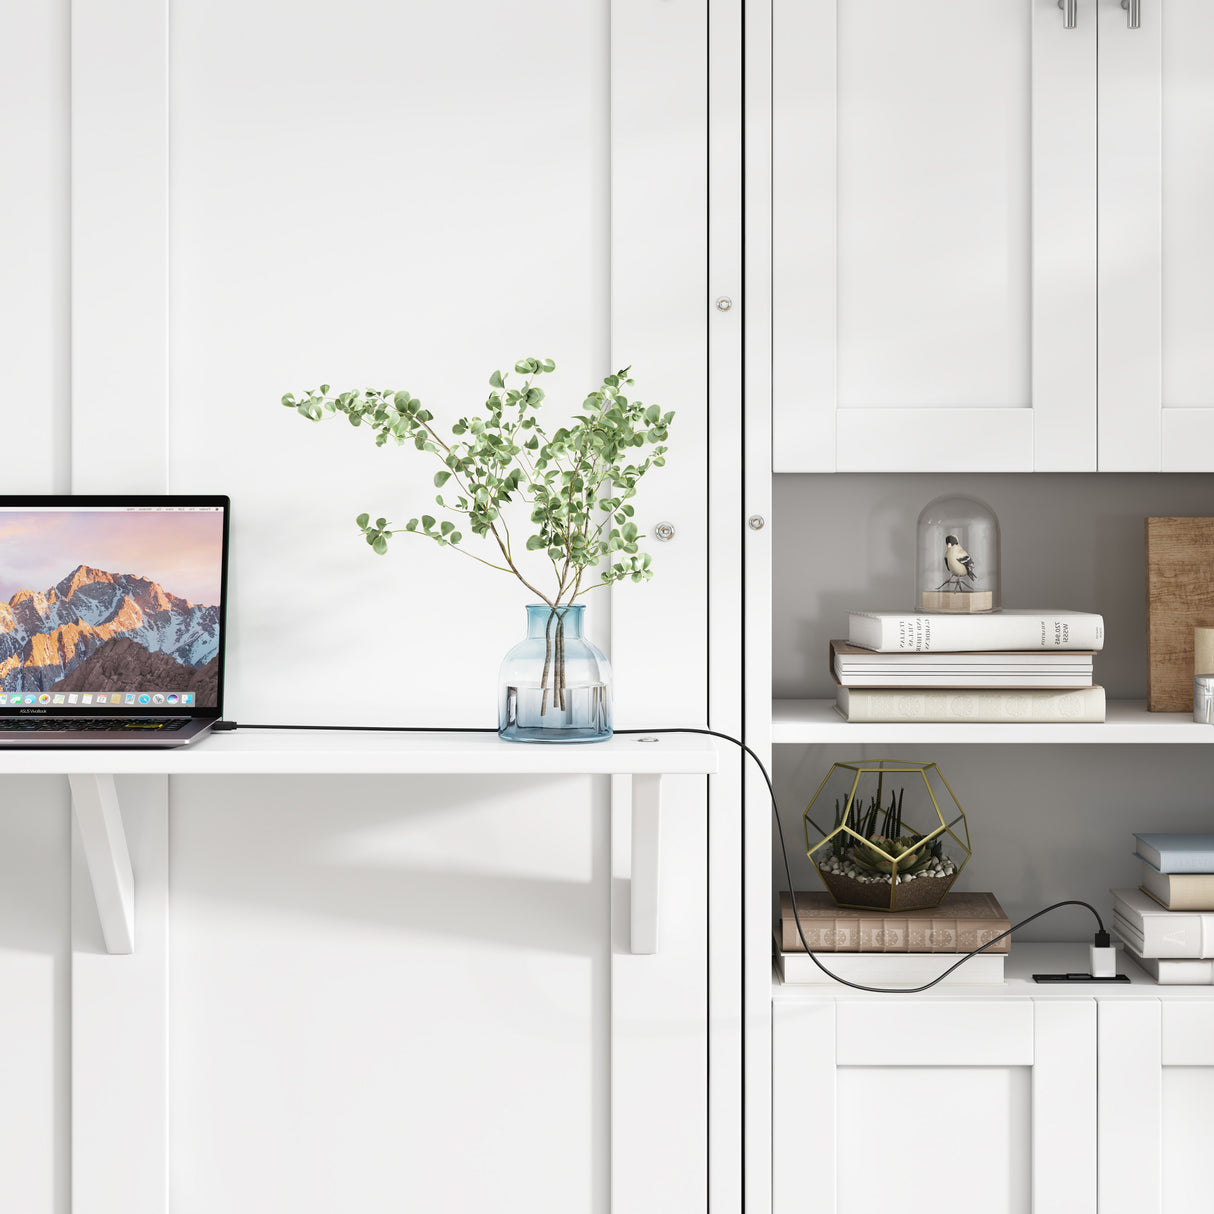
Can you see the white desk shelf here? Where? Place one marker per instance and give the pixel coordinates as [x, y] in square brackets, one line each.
[816, 722]
[318, 752]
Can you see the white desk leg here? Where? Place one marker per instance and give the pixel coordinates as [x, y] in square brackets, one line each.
[109, 863]
[646, 861]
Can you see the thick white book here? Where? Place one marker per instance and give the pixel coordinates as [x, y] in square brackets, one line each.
[855, 667]
[1174, 972]
[966, 679]
[890, 969]
[1033, 661]
[945, 632]
[865, 704]
[1155, 932]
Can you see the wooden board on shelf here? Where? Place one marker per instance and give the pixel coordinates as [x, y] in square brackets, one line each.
[1180, 596]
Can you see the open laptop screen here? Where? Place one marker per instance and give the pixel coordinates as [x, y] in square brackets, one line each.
[112, 604]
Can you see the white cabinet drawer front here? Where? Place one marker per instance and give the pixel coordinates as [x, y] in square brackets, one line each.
[1156, 194]
[934, 203]
[1186, 1133]
[933, 241]
[935, 1033]
[1188, 1034]
[1188, 202]
[996, 1099]
[961, 1139]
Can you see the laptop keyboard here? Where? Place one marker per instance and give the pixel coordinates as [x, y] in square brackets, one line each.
[91, 724]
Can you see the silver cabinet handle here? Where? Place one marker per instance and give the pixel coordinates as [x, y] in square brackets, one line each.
[1070, 13]
[1133, 10]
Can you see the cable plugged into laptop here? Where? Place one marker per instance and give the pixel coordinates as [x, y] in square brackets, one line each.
[224, 727]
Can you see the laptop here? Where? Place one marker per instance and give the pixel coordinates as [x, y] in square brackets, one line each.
[111, 619]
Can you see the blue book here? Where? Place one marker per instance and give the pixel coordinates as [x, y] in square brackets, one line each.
[1177, 853]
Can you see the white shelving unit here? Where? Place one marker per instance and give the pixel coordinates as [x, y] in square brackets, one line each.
[869, 239]
[645, 758]
[1127, 722]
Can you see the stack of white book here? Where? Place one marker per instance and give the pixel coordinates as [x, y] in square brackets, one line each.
[1015, 665]
[1168, 923]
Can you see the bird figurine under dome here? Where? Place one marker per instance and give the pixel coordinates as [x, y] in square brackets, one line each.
[963, 532]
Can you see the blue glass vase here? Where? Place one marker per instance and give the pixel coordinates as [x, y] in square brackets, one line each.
[554, 686]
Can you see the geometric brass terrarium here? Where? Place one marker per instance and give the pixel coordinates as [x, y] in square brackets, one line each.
[886, 834]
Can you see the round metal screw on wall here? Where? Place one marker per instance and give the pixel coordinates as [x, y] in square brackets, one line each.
[756, 522]
[664, 532]
[724, 303]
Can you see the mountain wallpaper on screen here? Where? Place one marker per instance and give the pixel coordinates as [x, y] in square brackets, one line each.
[50, 639]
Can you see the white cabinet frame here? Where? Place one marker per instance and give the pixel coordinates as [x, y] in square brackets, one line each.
[1137, 1042]
[1055, 1038]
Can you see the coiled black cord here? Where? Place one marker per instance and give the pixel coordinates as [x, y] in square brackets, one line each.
[716, 733]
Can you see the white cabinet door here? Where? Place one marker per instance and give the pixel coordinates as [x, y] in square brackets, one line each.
[933, 236]
[1156, 1106]
[1156, 196]
[934, 1106]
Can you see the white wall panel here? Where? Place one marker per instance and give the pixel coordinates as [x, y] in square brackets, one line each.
[373, 195]
[120, 1025]
[35, 977]
[35, 943]
[34, 254]
[659, 325]
[120, 355]
[368, 194]
[389, 994]
[387, 197]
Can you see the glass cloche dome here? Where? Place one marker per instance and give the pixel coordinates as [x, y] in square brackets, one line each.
[958, 557]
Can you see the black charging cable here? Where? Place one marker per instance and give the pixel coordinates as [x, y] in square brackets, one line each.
[1102, 936]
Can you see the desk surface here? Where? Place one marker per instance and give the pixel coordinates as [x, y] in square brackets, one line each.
[310, 751]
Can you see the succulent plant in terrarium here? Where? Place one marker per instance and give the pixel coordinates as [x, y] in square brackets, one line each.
[886, 847]
[882, 854]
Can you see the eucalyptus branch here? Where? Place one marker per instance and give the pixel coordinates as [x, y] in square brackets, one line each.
[507, 459]
[461, 551]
